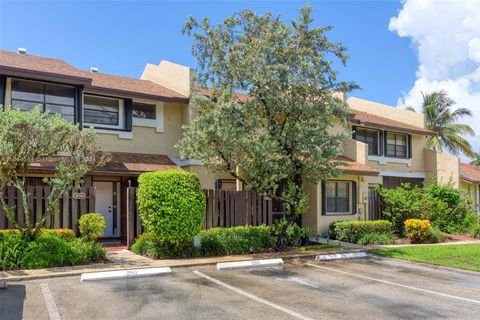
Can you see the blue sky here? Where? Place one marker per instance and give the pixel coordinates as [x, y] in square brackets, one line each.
[121, 37]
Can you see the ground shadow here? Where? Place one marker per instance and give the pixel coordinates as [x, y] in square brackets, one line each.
[11, 302]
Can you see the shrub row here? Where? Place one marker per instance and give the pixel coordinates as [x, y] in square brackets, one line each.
[355, 231]
[52, 248]
[215, 241]
[443, 205]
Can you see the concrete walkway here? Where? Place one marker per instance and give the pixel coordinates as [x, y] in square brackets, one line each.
[124, 259]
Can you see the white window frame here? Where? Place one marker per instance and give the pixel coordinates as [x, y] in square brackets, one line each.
[121, 113]
[350, 199]
[407, 147]
[156, 123]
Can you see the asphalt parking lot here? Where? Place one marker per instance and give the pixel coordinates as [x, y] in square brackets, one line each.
[304, 289]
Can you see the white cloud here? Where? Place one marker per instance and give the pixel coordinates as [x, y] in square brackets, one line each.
[446, 35]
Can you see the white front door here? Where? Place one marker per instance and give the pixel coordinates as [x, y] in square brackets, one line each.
[104, 205]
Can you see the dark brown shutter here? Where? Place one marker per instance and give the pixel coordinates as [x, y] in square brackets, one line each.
[409, 146]
[324, 198]
[128, 114]
[354, 197]
[3, 88]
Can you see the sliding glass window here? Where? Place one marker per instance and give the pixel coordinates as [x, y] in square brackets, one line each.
[48, 97]
[102, 111]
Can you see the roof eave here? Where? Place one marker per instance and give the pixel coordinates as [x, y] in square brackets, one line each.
[397, 129]
[49, 76]
[136, 94]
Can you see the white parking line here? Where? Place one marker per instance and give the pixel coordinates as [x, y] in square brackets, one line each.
[253, 297]
[51, 306]
[397, 284]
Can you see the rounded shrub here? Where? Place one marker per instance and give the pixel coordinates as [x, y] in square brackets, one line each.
[91, 226]
[48, 251]
[171, 204]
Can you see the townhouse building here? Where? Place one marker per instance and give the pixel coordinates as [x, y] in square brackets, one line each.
[139, 121]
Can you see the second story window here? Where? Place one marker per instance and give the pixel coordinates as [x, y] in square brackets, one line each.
[52, 97]
[397, 145]
[103, 112]
[370, 137]
[144, 110]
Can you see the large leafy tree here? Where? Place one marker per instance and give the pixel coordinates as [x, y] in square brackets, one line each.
[31, 136]
[441, 119]
[267, 115]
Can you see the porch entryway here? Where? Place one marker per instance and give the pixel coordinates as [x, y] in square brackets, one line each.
[107, 204]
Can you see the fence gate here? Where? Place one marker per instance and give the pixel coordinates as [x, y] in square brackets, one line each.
[375, 208]
[70, 207]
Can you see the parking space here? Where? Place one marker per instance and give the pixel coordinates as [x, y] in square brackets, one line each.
[304, 289]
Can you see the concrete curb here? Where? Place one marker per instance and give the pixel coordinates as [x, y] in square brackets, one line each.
[72, 273]
[121, 274]
[347, 255]
[249, 264]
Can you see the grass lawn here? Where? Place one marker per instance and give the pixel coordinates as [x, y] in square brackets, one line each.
[461, 256]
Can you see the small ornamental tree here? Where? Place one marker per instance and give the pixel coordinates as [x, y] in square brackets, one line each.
[171, 205]
[31, 136]
[278, 135]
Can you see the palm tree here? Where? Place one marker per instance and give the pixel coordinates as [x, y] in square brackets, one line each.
[440, 119]
[476, 159]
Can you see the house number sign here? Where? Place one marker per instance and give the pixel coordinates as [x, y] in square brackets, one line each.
[79, 195]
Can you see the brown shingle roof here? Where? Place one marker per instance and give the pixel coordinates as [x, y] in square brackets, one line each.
[113, 83]
[24, 64]
[12, 61]
[470, 172]
[241, 97]
[362, 117]
[355, 167]
[121, 163]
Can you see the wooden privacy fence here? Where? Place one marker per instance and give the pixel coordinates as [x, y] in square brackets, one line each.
[223, 209]
[70, 207]
[236, 208]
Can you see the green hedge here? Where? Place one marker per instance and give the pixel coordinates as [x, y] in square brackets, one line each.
[67, 234]
[171, 204]
[236, 240]
[18, 251]
[214, 242]
[353, 231]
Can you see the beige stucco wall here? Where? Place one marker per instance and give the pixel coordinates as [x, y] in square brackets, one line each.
[174, 76]
[386, 111]
[471, 190]
[319, 223]
[147, 139]
[207, 177]
[417, 163]
[443, 168]
[355, 150]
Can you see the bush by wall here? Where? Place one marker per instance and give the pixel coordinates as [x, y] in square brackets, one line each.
[443, 205]
[236, 240]
[155, 247]
[171, 205]
[91, 226]
[353, 231]
[287, 234]
[421, 231]
[49, 249]
[377, 238]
